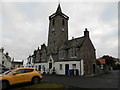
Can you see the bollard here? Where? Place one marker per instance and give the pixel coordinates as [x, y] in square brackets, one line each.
[68, 72]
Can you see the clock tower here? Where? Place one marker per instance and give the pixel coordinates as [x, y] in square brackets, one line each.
[58, 30]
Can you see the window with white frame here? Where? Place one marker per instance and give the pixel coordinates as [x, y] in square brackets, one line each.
[61, 67]
[74, 66]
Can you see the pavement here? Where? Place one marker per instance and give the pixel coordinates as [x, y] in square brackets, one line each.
[109, 80]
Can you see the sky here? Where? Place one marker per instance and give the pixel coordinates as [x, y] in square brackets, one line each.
[24, 25]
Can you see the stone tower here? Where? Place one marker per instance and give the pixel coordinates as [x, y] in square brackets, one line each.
[58, 30]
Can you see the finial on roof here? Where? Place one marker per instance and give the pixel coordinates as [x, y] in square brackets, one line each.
[59, 9]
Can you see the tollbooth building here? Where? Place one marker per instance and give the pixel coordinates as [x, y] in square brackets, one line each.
[62, 56]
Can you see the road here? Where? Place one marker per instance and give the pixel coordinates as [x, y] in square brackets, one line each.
[108, 81]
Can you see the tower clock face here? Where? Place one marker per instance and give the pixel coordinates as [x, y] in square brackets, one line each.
[53, 29]
[62, 29]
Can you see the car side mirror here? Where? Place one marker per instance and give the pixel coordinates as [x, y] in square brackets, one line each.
[14, 73]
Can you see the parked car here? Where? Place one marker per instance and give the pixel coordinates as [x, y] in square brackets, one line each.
[3, 69]
[20, 75]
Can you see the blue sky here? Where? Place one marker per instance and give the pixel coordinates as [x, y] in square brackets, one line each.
[25, 25]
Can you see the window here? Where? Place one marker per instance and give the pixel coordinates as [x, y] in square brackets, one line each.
[63, 22]
[20, 71]
[53, 22]
[2, 62]
[28, 70]
[75, 52]
[61, 54]
[36, 67]
[43, 68]
[39, 68]
[53, 29]
[13, 65]
[74, 66]
[61, 67]
[63, 29]
[71, 52]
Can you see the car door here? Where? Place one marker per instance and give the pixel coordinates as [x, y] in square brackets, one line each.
[28, 74]
[19, 76]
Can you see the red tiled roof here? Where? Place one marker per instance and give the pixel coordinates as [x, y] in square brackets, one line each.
[102, 61]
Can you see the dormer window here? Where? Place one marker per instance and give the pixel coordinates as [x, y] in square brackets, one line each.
[53, 29]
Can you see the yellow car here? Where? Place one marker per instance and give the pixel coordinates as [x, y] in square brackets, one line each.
[20, 75]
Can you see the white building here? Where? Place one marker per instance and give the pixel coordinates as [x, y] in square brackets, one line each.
[60, 68]
[5, 59]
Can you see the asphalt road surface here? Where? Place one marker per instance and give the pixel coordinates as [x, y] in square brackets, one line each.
[109, 80]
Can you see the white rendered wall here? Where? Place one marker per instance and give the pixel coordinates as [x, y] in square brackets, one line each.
[79, 66]
[62, 72]
[82, 68]
[42, 67]
[7, 64]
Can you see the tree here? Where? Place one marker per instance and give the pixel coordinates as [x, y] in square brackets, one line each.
[110, 61]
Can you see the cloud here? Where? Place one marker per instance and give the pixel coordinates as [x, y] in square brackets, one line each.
[108, 14]
[25, 25]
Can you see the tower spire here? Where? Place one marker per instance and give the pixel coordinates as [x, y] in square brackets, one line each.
[59, 9]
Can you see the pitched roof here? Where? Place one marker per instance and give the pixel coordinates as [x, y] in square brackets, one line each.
[59, 9]
[59, 12]
[16, 62]
[102, 61]
[77, 42]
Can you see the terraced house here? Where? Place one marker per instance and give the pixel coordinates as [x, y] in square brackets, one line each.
[62, 56]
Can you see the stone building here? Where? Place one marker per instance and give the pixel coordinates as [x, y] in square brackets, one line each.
[77, 53]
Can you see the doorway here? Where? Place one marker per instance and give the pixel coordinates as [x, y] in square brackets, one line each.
[66, 69]
[39, 68]
[50, 65]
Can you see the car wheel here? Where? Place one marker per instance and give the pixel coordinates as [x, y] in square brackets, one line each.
[35, 80]
[5, 85]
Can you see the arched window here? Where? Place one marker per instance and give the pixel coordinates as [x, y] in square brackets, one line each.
[63, 22]
[53, 22]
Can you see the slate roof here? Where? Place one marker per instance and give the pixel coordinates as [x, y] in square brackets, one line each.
[58, 12]
[77, 42]
[16, 62]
